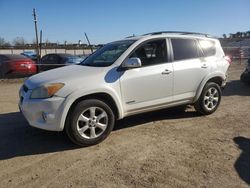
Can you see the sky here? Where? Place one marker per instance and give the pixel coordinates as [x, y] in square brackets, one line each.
[109, 20]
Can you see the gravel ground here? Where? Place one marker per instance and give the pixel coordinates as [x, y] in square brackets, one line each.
[167, 148]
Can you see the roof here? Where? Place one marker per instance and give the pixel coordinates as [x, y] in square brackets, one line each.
[14, 56]
[171, 34]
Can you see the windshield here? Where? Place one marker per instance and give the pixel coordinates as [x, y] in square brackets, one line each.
[108, 54]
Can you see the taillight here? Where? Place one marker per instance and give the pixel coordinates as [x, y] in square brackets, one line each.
[26, 64]
[228, 59]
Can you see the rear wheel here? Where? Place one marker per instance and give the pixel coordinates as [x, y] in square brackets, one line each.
[209, 99]
[90, 122]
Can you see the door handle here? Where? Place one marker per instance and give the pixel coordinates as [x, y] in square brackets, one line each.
[204, 66]
[166, 71]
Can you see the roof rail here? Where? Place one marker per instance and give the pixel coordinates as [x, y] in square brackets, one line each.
[178, 32]
[130, 36]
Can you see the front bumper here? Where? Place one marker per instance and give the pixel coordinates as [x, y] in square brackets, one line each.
[42, 113]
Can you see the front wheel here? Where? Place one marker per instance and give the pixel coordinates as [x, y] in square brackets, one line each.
[209, 99]
[90, 122]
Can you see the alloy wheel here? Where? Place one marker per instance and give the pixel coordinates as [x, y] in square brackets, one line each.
[92, 122]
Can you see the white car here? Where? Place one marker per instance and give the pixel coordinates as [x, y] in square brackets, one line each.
[126, 77]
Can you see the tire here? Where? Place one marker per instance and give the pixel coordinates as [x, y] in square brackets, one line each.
[209, 99]
[90, 122]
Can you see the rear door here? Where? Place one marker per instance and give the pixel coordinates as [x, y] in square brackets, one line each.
[190, 68]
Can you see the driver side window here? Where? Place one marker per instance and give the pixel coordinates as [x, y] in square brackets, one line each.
[152, 53]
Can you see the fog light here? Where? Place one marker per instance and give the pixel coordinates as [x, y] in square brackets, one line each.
[44, 115]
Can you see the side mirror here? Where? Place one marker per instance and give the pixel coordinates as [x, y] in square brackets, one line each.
[133, 62]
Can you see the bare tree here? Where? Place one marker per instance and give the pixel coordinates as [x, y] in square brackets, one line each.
[7, 44]
[47, 42]
[224, 36]
[33, 41]
[2, 41]
[19, 41]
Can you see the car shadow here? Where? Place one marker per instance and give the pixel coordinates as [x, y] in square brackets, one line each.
[165, 114]
[242, 164]
[236, 87]
[17, 138]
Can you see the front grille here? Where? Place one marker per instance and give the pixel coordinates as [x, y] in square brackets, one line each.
[25, 88]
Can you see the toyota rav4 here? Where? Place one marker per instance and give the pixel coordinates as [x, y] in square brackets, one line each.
[130, 76]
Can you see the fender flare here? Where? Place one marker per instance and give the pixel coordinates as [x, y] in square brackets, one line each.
[70, 99]
[205, 80]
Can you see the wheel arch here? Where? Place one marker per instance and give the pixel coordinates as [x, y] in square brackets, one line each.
[216, 78]
[103, 96]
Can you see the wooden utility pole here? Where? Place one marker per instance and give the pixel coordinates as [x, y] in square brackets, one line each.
[40, 44]
[89, 42]
[37, 43]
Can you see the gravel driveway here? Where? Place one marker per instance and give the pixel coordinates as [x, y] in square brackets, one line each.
[167, 148]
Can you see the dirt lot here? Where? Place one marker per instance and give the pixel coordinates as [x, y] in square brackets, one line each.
[160, 149]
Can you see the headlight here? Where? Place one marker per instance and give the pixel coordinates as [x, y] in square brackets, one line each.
[46, 91]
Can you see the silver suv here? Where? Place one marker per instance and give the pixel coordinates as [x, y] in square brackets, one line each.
[126, 77]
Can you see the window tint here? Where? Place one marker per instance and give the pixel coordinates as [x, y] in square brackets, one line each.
[151, 53]
[208, 47]
[53, 59]
[185, 49]
[44, 59]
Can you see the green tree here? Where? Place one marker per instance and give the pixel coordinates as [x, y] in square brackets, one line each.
[248, 33]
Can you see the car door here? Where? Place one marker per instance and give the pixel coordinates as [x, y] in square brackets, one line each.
[56, 61]
[51, 62]
[151, 84]
[43, 65]
[190, 68]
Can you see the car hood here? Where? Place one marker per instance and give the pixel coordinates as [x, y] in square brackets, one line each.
[67, 75]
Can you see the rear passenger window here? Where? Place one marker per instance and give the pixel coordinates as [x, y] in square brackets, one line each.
[185, 49]
[208, 47]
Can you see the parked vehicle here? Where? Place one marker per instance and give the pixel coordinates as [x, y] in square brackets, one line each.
[123, 78]
[30, 54]
[245, 76]
[51, 61]
[16, 65]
